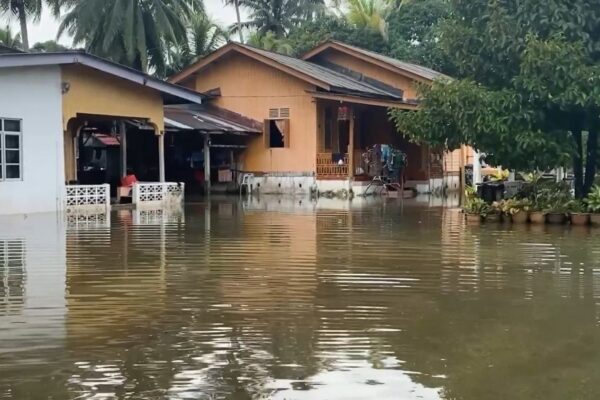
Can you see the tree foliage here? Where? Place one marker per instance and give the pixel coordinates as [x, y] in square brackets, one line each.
[310, 34]
[525, 93]
[133, 32]
[10, 39]
[279, 16]
[203, 36]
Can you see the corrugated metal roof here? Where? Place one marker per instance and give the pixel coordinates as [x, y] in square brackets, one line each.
[338, 82]
[171, 93]
[210, 120]
[421, 71]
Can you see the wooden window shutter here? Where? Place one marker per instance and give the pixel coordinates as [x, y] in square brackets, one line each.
[267, 132]
[286, 133]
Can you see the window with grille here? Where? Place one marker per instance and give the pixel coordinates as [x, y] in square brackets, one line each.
[277, 128]
[11, 149]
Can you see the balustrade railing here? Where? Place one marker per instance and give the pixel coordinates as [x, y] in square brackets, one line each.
[327, 168]
[87, 198]
[158, 194]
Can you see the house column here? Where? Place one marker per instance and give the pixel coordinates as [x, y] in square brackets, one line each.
[123, 134]
[161, 156]
[351, 143]
[476, 167]
[207, 163]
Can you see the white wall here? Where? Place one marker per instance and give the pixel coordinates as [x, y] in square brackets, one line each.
[34, 95]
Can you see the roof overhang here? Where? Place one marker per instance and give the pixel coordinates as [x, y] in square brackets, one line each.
[343, 48]
[365, 100]
[171, 93]
[234, 47]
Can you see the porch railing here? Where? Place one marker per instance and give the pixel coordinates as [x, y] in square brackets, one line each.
[327, 168]
[158, 194]
[87, 198]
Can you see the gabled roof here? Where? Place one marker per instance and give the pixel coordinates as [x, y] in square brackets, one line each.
[320, 76]
[411, 70]
[172, 94]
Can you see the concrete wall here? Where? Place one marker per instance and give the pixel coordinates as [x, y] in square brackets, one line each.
[34, 95]
[251, 88]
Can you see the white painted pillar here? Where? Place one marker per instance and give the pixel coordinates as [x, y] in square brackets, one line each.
[476, 167]
[161, 156]
[207, 163]
[123, 133]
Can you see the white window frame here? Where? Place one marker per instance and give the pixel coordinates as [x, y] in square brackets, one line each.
[3, 149]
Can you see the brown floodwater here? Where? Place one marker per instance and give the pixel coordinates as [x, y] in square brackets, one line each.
[288, 299]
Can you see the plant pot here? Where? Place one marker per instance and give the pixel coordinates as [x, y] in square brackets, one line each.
[473, 218]
[580, 219]
[556, 218]
[537, 217]
[595, 219]
[494, 217]
[520, 217]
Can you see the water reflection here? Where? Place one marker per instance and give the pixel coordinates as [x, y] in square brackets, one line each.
[290, 299]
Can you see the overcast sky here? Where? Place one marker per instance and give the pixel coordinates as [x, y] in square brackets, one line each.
[47, 27]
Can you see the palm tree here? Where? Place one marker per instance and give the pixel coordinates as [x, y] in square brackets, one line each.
[271, 42]
[278, 16]
[236, 4]
[8, 39]
[203, 37]
[29, 9]
[370, 14]
[132, 32]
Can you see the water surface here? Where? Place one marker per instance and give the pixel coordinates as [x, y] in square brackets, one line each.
[287, 299]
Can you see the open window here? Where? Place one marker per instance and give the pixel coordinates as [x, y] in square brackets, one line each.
[277, 128]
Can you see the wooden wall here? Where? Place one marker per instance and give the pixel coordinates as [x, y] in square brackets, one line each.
[251, 88]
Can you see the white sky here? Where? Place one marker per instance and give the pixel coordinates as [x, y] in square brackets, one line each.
[47, 27]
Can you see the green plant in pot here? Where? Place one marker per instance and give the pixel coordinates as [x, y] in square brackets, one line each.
[537, 215]
[476, 209]
[578, 212]
[495, 211]
[592, 201]
[516, 209]
[558, 210]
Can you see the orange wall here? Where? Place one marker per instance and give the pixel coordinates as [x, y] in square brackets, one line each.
[251, 88]
[97, 93]
[371, 70]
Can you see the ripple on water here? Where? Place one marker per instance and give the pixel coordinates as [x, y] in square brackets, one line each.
[236, 301]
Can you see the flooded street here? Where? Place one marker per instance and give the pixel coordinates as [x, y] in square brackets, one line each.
[287, 299]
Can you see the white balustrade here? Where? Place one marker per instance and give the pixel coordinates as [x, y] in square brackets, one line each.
[87, 198]
[158, 194]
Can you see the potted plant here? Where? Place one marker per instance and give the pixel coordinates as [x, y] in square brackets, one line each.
[495, 212]
[557, 211]
[475, 209]
[592, 201]
[517, 210]
[579, 213]
[537, 214]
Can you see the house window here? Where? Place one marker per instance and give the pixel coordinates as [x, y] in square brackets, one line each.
[10, 149]
[277, 128]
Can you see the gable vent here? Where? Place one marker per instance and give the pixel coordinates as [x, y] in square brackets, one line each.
[277, 113]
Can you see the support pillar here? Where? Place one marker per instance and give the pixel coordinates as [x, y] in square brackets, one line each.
[476, 167]
[207, 163]
[123, 134]
[161, 156]
[351, 145]
[461, 168]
